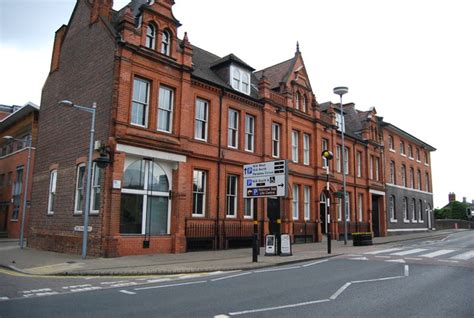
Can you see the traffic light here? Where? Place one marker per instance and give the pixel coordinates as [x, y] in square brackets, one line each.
[327, 154]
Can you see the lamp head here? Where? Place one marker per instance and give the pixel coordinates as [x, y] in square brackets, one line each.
[8, 138]
[340, 90]
[65, 103]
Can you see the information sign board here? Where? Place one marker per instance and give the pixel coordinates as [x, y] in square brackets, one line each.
[266, 179]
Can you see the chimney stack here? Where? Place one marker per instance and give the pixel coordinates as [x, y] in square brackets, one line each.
[452, 197]
[101, 8]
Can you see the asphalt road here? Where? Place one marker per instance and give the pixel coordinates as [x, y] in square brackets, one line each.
[372, 284]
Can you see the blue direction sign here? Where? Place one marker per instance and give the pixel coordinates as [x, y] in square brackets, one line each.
[266, 179]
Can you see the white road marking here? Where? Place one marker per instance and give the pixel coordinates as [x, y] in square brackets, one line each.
[47, 294]
[396, 261]
[447, 261]
[124, 284]
[340, 291]
[159, 280]
[359, 258]
[315, 263]
[384, 251]
[34, 291]
[278, 307]
[232, 276]
[4, 298]
[77, 286]
[413, 258]
[333, 297]
[464, 256]
[85, 289]
[111, 283]
[407, 270]
[413, 251]
[437, 253]
[172, 285]
[127, 292]
[382, 256]
[276, 269]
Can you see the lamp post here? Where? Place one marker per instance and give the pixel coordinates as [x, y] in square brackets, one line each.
[341, 90]
[326, 154]
[87, 206]
[25, 195]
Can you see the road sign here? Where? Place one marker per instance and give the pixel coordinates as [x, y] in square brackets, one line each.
[266, 179]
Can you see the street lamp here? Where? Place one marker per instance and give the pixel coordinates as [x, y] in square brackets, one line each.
[25, 195]
[91, 110]
[341, 90]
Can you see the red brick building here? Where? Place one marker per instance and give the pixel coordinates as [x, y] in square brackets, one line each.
[180, 123]
[20, 123]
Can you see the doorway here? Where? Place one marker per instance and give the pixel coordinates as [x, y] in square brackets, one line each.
[376, 215]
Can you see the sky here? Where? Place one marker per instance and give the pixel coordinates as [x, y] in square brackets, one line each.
[413, 60]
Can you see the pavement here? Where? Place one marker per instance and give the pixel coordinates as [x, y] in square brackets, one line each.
[38, 262]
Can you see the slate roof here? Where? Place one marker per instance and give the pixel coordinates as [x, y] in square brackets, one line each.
[204, 61]
[277, 73]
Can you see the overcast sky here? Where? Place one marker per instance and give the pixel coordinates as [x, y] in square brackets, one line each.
[413, 60]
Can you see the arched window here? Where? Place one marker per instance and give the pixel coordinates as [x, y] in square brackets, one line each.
[150, 36]
[165, 43]
[392, 172]
[391, 209]
[144, 207]
[297, 100]
[404, 176]
[304, 102]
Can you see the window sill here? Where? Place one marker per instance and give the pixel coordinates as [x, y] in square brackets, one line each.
[248, 217]
[414, 221]
[231, 216]
[393, 221]
[411, 158]
[403, 155]
[392, 150]
[197, 215]
[406, 221]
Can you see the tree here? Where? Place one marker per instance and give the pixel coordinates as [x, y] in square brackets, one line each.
[454, 210]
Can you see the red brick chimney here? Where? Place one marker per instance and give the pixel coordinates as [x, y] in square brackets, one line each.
[101, 8]
[452, 197]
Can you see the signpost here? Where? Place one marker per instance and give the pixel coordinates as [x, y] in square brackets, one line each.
[261, 180]
[266, 179]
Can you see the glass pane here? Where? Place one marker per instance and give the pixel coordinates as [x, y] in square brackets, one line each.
[131, 206]
[158, 181]
[158, 215]
[133, 177]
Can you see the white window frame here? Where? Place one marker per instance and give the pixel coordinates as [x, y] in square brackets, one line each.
[297, 100]
[371, 167]
[338, 158]
[95, 185]
[360, 203]
[339, 209]
[147, 193]
[340, 122]
[276, 133]
[79, 209]
[150, 41]
[304, 102]
[405, 210]
[201, 118]
[427, 182]
[306, 150]
[324, 146]
[307, 202]
[53, 178]
[295, 202]
[249, 133]
[412, 178]
[420, 211]
[413, 211]
[418, 177]
[240, 79]
[142, 101]
[346, 160]
[165, 108]
[201, 175]
[359, 163]
[249, 206]
[391, 209]
[404, 176]
[229, 196]
[402, 148]
[392, 172]
[348, 206]
[377, 168]
[294, 145]
[391, 143]
[165, 43]
[233, 129]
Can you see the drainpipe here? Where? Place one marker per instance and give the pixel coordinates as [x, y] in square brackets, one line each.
[219, 161]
